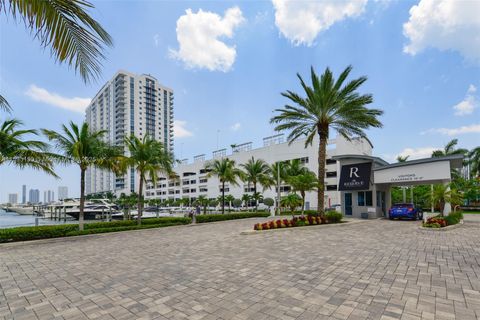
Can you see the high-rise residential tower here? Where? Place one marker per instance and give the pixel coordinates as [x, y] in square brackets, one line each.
[24, 194]
[34, 196]
[129, 104]
[62, 192]
[12, 198]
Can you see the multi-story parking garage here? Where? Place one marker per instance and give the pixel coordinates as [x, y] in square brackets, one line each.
[193, 181]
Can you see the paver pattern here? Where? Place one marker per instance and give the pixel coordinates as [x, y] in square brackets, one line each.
[370, 270]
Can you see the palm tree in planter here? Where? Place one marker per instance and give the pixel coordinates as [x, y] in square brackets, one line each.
[443, 194]
[292, 201]
[303, 183]
[257, 197]
[257, 172]
[16, 150]
[203, 201]
[224, 169]
[85, 148]
[149, 158]
[329, 104]
[474, 156]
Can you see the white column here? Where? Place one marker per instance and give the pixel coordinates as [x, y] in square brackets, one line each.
[448, 207]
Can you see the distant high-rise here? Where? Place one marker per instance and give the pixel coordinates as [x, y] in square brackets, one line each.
[62, 193]
[34, 196]
[129, 104]
[13, 198]
[24, 194]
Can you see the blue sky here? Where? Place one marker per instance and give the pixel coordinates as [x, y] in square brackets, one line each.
[228, 61]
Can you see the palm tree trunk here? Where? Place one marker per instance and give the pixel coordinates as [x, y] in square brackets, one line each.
[322, 154]
[223, 197]
[140, 202]
[82, 199]
[303, 202]
[255, 195]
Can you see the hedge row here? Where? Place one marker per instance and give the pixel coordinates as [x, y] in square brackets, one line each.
[229, 216]
[67, 230]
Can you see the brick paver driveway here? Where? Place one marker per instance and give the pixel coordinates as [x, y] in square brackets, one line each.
[370, 270]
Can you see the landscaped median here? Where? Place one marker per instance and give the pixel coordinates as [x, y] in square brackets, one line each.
[69, 230]
[442, 222]
[309, 220]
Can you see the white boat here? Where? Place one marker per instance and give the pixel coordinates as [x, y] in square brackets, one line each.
[93, 209]
[22, 210]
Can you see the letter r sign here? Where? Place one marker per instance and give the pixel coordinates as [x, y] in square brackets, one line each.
[353, 171]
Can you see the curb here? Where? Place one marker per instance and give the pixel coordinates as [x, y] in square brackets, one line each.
[344, 223]
[447, 228]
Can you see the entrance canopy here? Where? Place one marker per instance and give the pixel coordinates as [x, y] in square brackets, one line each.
[422, 171]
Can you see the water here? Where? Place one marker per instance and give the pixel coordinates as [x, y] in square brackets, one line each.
[11, 219]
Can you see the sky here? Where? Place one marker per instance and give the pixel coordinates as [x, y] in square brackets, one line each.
[228, 62]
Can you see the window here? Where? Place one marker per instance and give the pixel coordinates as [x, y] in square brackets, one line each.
[330, 161]
[361, 199]
[331, 174]
[365, 198]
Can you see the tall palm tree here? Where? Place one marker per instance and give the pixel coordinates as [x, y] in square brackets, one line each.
[149, 158]
[16, 150]
[224, 169]
[303, 183]
[402, 158]
[257, 171]
[329, 104]
[78, 145]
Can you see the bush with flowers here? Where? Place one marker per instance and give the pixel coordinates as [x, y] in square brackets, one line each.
[442, 222]
[294, 222]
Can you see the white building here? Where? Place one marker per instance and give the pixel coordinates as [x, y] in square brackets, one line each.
[194, 182]
[62, 193]
[12, 198]
[129, 104]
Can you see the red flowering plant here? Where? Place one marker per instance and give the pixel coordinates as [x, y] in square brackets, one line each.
[435, 222]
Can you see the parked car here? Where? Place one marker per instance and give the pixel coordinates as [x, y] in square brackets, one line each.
[405, 210]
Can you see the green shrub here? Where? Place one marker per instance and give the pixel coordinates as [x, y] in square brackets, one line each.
[147, 221]
[33, 233]
[432, 225]
[454, 218]
[334, 217]
[229, 216]
[121, 228]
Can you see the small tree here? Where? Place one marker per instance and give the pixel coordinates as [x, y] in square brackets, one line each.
[246, 199]
[302, 183]
[237, 203]
[291, 201]
[269, 202]
[203, 201]
[229, 199]
[213, 203]
[257, 197]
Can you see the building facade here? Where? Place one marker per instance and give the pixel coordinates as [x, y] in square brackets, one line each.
[129, 104]
[24, 194]
[193, 180]
[34, 196]
[12, 198]
[62, 193]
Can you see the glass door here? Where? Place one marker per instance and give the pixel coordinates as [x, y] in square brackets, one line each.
[348, 204]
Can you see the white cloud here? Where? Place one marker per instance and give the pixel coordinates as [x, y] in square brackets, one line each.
[474, 128]
[198, 37]
[301, 21]
[236, 126]
[468, 104]
[42, 95]
[179, 130]
[416, 153]
[445, 25]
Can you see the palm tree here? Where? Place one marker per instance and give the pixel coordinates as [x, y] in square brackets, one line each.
[474, 156]
[329, 104]
[229, 198]
[302, 183]
[149, 158]
[66, 28]
[402, 158]
[246, 199]
[78, 145]
[257, 197]
[226, 172]
[4, 105]
[449, 149]
[445, 193]
[291, 201]
[257, 171]
[17, 151]
[203, 201]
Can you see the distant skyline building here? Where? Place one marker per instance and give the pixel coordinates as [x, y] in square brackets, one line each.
[62, 192]
[34, 196]
[129, 104]
[24, 194]
[13, 198]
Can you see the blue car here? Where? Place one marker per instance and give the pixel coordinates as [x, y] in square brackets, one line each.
[405, 210]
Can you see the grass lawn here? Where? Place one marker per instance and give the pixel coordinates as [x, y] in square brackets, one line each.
[471, 212]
